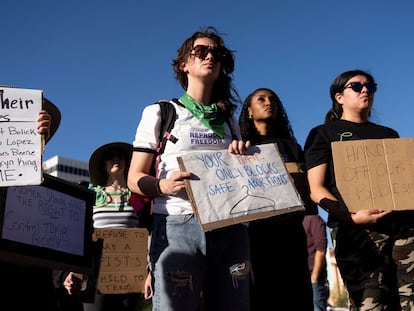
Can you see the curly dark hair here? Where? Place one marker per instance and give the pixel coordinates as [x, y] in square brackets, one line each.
[224, 93]
[282, 126]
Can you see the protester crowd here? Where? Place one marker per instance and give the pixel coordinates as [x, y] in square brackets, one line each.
[273, 263]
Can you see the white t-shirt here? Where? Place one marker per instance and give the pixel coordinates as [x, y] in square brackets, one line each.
[192, 136]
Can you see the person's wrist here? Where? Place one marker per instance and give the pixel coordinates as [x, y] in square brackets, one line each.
[158, 187]
[149, 186]
[332, 208]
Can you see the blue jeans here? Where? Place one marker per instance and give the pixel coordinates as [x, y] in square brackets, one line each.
[188, 262]
[320, 295]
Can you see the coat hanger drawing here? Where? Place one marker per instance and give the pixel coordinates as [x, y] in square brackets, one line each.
[262, 203]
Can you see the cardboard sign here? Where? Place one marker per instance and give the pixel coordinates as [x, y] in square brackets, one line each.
[20, 144]
[123, 267]
[48, 225]
[375, 173]
[300, 181]
[229, 188]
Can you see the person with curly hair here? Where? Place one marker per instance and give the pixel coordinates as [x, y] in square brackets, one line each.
[278, 244]
[186, 262]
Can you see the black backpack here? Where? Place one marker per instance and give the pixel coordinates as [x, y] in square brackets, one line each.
[168, 117]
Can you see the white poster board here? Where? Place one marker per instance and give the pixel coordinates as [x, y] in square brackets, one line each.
[43, 217]
[49, 226]
[20, 144]
[229, 188]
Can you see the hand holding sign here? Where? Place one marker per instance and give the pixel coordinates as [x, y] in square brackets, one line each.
[229, 188]
[21, 146]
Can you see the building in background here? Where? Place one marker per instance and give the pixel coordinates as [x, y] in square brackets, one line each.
[67, 169]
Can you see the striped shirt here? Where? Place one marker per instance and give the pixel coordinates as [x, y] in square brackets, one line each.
[111, 213]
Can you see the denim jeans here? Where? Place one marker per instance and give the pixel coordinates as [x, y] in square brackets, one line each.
[188, 263]
[320, 295]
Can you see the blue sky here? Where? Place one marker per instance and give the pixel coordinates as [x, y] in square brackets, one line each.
[102, 61]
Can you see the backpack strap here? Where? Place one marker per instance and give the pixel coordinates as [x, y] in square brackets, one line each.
[143, 204]
[168, 117]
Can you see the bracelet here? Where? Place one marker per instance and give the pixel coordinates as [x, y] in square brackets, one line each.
[149, 186]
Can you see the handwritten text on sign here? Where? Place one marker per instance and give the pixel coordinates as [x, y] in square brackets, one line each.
[20, 144]
[239, 187]
[123, 266]
[375, 173]
[44, 217]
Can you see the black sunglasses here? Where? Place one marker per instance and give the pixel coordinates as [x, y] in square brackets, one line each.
[113, 154]
[358, 86]
[201, 52]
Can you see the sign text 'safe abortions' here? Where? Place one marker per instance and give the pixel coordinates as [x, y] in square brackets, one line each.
[229, 188]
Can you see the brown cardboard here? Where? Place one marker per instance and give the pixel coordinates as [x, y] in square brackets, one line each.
[229, 188]
[123, 266]
[300, 180]
[375, 173]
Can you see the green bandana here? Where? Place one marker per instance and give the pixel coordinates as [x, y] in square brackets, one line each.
[208, 115]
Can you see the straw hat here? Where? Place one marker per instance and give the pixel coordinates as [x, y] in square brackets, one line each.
[97, 174]
[51, 109]
[54, 114]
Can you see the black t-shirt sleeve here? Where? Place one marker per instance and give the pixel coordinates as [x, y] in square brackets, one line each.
[317, 148]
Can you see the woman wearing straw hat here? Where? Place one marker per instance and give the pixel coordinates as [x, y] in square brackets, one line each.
[108, 168]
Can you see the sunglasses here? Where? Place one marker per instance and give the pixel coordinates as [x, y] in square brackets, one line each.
[201, 52]
[113, 154]
[358, 86]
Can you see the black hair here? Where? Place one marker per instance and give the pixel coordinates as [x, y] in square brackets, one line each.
[337, 86]
[282, 126]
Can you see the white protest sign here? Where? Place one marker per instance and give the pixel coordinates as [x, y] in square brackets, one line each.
[229, 188]
[44, 217]
[20, 144]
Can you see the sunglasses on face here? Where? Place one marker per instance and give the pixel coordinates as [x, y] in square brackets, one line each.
[201, 52]
[358, 86]
[112, 155]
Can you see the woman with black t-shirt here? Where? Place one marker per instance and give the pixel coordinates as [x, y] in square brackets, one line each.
[278, 244]
[373, 248]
